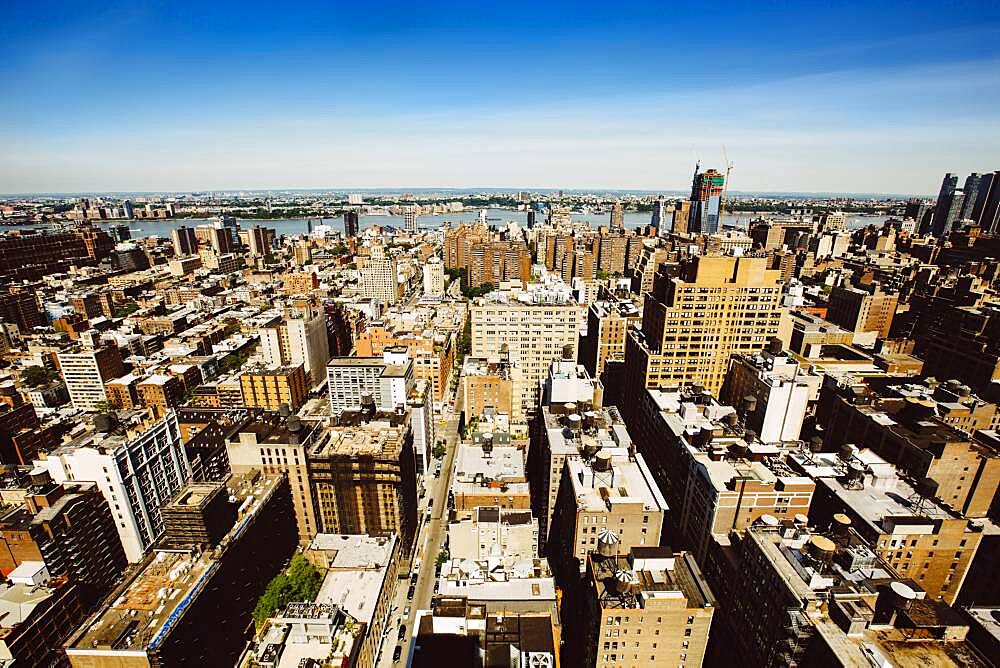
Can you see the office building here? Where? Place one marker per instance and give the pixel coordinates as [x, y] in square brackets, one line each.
[681, 218]
[716, 476]
[862, 311]
[185, 241]
[298, 339]
[85, 371]
[904, 524]
[907, 432]
[607, 323]
[649, 606]
[192, 606]
[363, 479]
[138, 468]
[694, 319]
[260, 240]
[410, 219]
[351, 224]
[986, 212]
[270, 387]
[660, 215]
[706, 202]
[386, 381]
[948, 207]
[69, 527]
[535, 327]
[379, 278]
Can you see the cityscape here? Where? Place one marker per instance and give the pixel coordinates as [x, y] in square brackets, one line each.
[733, 405]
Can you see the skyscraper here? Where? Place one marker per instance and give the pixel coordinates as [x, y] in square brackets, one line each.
[185, 241]
[410, 219]
[351, 223]
[706, 201]
[971, 190]
[617, 216]
[945, 213]
[986, 211]
[659, 217]
[127, 210]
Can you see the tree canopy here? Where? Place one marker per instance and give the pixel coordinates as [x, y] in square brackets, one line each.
[301, 582]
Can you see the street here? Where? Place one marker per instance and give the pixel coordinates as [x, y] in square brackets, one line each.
[429, 540]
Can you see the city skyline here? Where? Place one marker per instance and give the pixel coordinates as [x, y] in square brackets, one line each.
[150, 98]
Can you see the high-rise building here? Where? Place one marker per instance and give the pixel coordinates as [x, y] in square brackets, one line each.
[986, 211]
[948, 207]
[434, 277]
[862, 310]
[69, 526]
[363, 478]
[209, 592]
[680, 222]
[534, 327]
[303, 253]
[85, 371]
[260, 240]
[410, 219]
[617, 216]
[422, 423]
[384, 381]
[351, 224]
[127, 209]
[379, 277]
[706, 201]
[137, 472]
[971, 191]
[37, 614]
[21, 308]
[185, 240]
[607, 323]
[298, 340]
[695, 318]
[274, 444]
[660, 215]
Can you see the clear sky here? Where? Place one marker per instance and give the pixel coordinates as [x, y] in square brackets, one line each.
[805, 96]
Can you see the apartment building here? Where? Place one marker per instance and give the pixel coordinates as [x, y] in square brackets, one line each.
[533, 327]
[695, 319]
[138, 468]
[648, 606]
[862, 311]
[270, 387]
[607, 324]
[386, 380]
[298, 339]
[379, 278]
[85, 371]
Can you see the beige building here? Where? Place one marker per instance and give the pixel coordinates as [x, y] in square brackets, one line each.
[298, 340]
[379, 276]
[534, 326]
[279, 446]
[607, 323]
[487, 533]
[652, 608]
[492, 383]
[862, 311]
[694, 320]
[271, 387]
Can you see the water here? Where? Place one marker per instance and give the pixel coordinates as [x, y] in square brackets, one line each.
[499, 217]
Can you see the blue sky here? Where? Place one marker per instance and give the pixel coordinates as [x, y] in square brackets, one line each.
[809, 96]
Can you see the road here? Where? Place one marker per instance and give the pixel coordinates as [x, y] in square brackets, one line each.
[430, 539]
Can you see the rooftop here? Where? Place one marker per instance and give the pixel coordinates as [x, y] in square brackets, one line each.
[637, 580]
[146, 606]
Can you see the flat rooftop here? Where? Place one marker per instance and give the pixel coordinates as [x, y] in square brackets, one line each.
[627, 481]
[142, 611]
[657, 574]
[378, 439]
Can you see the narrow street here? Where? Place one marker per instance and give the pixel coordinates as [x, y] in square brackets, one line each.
[429, 539]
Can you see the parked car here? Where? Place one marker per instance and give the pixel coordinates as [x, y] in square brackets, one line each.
[409, 594]
[396, 653]
[402, 632]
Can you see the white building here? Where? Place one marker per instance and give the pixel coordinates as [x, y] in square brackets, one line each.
[771, 392]
[136, 472]
[85, 371]
[486, 533]
[421, 405]
[379, 276]
[434, 278]
[387, 379]
[297, 340]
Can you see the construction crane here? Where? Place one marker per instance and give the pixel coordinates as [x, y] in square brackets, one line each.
[725, 186]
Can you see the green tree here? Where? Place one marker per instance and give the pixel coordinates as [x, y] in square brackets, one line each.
[36, 375]
[300, 582]
[438, 450]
